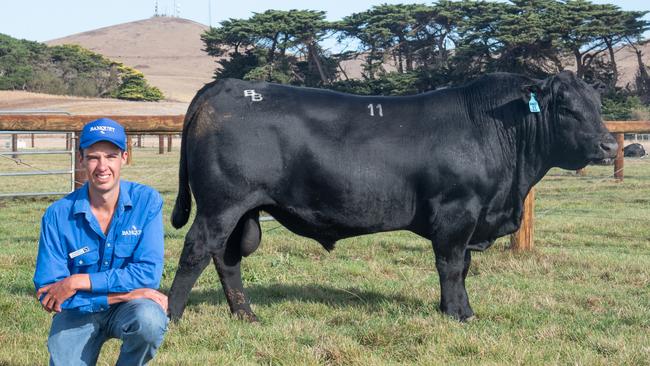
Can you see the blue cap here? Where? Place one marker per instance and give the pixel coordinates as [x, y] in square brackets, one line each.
[103, 129]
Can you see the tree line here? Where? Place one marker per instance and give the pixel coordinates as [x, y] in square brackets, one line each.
[411, 48]
[70, 70]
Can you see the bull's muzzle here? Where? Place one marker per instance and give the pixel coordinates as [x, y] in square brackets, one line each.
[608, 149]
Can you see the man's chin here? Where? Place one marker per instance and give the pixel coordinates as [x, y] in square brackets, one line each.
[103, 186]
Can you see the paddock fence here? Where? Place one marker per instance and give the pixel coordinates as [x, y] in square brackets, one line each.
[167, 126]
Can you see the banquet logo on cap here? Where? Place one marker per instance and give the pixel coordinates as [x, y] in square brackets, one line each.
[102, 129]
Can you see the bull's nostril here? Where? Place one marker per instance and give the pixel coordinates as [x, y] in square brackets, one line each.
[609, 146]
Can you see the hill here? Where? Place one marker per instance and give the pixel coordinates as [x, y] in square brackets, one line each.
[167, 50]
[26, 101]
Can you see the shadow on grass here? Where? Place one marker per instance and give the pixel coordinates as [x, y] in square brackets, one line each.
[331, 296]
[22, 288]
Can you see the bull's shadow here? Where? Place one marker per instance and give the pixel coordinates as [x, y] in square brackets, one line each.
[351, 297]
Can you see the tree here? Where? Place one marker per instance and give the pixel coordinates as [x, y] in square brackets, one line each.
[18, 60]
[385, 31]
[68, 69]
[135, 87]
[281, 46]
[617, 26]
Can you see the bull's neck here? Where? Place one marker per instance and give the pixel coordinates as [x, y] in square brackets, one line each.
[532, 139]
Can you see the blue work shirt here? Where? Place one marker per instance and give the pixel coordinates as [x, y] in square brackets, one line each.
[128, 257]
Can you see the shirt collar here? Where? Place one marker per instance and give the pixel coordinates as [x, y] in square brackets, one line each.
[82, 201]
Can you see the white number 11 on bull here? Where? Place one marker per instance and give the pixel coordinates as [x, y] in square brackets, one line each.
[372, 107]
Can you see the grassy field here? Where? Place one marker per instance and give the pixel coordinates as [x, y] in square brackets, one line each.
[582, 297]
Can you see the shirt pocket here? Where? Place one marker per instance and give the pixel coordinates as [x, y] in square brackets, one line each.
[86, 259]
[125, 247]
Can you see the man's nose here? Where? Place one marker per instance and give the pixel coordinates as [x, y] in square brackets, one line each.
[102, 162]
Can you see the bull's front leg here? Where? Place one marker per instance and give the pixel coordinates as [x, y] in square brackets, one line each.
[452, 269]
[452, 262]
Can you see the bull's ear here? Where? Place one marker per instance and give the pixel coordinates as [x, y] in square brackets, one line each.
[527, 90]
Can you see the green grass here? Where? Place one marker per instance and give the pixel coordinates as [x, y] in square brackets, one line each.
[581, 297]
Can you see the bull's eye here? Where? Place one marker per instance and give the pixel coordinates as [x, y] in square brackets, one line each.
[570, 113]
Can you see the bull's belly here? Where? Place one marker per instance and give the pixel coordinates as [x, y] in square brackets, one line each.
[491, 227]
[327, 224]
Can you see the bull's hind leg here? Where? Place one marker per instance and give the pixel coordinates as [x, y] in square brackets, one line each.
[242, 242]
[194, 259]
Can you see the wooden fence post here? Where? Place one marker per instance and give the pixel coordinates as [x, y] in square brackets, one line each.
[169, 143]
[32, 136]
[14, 145]
[129, 150]
[522, 240]
[68, 141]
[161, 144]
[139, 145]
[619, 162]
[79, 173]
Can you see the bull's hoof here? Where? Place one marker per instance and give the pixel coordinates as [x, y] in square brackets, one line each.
[174, 314]
[470, 319]
[248, 316]
[461, 314]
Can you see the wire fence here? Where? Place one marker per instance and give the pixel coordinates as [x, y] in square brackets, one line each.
[596, 206]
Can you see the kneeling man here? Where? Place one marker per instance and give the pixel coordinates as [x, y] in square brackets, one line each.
[100, 259]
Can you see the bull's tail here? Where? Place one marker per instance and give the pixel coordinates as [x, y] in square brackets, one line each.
[183, 205]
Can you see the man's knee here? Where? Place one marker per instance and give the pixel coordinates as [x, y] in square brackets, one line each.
[75, 338]
[148, 323]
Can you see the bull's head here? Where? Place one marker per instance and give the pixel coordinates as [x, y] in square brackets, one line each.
[578, 134]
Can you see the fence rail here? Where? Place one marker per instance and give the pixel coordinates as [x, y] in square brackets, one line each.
[160, 125]
[133, 124]
[14, 154]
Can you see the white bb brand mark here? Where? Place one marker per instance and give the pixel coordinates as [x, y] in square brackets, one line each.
[255, 97]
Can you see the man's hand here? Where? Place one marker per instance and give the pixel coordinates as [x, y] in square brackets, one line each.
[56, 293]
[147, 293]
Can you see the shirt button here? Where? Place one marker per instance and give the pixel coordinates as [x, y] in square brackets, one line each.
[81, 262]
[108, 245]
[106, 263]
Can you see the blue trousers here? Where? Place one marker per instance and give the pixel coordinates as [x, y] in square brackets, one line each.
[77, 337]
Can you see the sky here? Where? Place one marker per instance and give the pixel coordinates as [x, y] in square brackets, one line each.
[43, 20]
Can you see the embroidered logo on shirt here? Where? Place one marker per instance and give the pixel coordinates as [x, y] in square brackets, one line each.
[133, 231]
[79, 252]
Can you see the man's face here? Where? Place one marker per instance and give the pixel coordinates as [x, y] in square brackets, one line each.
[103, 162]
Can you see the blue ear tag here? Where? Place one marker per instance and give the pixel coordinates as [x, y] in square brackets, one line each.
[532, 104]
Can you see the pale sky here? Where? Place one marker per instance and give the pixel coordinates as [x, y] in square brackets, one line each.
[43, 20]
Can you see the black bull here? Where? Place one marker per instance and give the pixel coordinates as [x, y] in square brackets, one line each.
[453, 166]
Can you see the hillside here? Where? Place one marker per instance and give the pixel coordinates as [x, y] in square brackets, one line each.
[627, 64]
[26, 101]
[167, 50]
